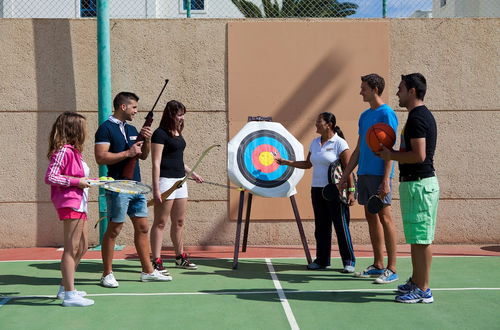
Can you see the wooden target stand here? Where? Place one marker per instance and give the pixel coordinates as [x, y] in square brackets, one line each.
[247, 224]
[241, 205]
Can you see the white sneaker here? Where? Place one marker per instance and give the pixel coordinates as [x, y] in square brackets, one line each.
[60, 293]
[155, 276]
[73, 299]
[109, 281]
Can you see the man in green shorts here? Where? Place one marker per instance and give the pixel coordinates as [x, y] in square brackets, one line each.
[419, 188]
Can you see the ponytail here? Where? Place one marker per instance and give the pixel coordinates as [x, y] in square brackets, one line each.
[337, 130]
[330, 118]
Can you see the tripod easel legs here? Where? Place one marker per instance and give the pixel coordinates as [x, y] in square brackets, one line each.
[301, 229]
[247, 224]
[238, 229]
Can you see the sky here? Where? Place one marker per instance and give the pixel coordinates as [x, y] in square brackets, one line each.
[395, 8]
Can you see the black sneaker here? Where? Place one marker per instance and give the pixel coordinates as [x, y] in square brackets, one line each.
[158, 265]
[182, 261]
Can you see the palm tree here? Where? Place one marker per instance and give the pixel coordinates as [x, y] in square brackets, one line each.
[297, 8]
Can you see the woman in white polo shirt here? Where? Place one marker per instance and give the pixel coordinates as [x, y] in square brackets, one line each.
[324, 150]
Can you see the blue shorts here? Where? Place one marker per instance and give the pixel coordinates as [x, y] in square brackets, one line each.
[368, 186]
[119, 205]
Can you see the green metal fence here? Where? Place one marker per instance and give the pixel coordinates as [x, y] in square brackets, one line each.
[251, 8]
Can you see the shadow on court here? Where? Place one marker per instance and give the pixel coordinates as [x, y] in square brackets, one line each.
[35, 301]
[39, 278]
[257, 269]
[34, 280]
[494, 248]
[265, 295]
[90, 267]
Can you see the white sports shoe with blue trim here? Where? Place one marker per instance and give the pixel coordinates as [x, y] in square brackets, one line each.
[387, 277]
[371, 271]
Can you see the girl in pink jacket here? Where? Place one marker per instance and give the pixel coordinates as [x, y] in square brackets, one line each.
[67, 175]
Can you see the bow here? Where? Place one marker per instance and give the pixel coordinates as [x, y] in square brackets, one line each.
[179, 183]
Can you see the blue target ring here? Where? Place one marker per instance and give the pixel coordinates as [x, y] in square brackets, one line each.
[246, 164]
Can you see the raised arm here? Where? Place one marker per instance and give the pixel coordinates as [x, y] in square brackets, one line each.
[416, 155]
[146, 146]
[104, 157]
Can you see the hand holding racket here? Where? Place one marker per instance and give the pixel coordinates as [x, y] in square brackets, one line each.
[331, 191]
[375, 203]
[84, 183]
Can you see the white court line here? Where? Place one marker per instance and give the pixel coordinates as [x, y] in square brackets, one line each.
[219, 293]
[281, 295]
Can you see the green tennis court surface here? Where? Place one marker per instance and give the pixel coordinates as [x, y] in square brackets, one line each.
[466, 292]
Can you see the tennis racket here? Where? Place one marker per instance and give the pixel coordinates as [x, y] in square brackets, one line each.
[100, 181]
[121, 186]
[375, 204]
[330, 192]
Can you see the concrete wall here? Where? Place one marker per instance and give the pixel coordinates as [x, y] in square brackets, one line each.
[466, 8]
[49, 66]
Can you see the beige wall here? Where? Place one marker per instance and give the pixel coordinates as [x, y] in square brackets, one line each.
[49, 66]
[294, 79]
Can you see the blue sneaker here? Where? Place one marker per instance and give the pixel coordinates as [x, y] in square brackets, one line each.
[314, 266]
[407, 287]
[416, 296]
[371, 271]
[387, 277]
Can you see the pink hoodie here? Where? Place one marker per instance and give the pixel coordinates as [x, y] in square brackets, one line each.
[64, 191]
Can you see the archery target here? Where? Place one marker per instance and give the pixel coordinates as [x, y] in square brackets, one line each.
[251, 162]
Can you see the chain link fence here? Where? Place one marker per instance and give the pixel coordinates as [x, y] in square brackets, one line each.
[251, 8]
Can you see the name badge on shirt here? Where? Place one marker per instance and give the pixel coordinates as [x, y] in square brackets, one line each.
[329, 149]
[133, 138]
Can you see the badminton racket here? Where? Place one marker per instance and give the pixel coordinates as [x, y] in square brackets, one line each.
[374, 204]
[331, 192]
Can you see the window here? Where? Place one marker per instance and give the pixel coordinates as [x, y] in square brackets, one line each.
[443, 3]
[195, 5]
[88, 8]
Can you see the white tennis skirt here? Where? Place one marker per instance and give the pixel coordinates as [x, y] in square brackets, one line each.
[166, 183]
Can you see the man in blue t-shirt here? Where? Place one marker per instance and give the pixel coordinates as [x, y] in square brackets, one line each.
[115, 145]
[374, 178]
